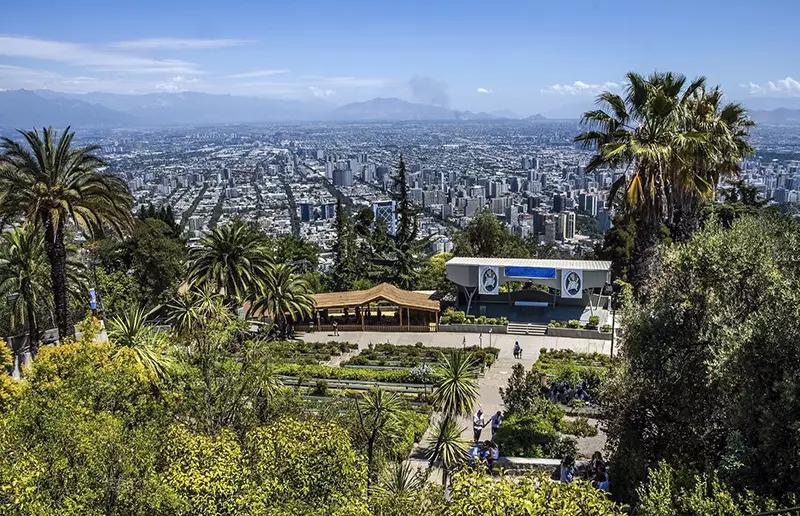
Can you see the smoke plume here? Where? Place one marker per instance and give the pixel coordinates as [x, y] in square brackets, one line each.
[427, 90]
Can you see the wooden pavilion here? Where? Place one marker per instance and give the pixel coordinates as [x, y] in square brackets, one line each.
[380, 308]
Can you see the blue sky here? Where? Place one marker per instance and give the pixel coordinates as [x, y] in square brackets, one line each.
[528, 56]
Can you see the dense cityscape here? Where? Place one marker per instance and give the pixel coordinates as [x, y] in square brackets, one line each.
[287, 178]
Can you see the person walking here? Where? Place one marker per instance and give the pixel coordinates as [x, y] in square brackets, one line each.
[335, 329]
[478, 424]
[496, 420]
[517, 350]
[480, 340]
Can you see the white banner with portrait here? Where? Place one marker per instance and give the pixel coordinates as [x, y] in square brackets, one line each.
[572, 283]
[488, 280]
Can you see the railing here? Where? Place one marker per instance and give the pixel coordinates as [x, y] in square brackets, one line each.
[780, 512]
[369, 327]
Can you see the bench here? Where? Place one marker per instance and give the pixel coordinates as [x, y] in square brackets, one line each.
[536, 304]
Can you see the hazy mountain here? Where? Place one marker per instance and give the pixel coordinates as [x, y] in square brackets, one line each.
[535, 118]
[391, 109]
[469, 115]
[200, 108]
[771, 103]
[505, 113]
[781, 116]
[25, 109]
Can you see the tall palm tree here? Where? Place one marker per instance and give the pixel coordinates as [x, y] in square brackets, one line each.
[377, 411]
[49, 181]
[233, 258]
[132, 332]
[283, 295]
[446, 447]
[456, 384]
[727, 126]
[645, 131]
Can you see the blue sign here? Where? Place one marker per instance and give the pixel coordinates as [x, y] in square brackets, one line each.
[530, 272]
[92, 299]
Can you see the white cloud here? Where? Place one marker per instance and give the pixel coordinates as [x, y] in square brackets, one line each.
[321, 93]
[782, 87]
[179, 43]
[580, 88]
[257, 73]
[484, 90]
[176, 84]
[90, 56]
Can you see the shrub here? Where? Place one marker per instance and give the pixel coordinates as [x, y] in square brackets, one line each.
[345, 373]
[606, 328]
[574, 324]
[579, 427]
[457, 317]
[445, 319]
[320, 388]
[576, 403]
[594, 322]
[491, 320]
[504, 321]
[528, 435]
[481, 320]
[419, 345]
[470, 319]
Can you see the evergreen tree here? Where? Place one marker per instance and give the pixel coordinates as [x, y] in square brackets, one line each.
[344, 270]
[408, 249]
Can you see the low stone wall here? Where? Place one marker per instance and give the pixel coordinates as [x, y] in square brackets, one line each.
[578, 334]
[474, 328]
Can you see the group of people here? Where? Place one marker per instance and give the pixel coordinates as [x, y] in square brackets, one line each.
[486, 451]
[563, 392]
[479, 423]
[595, 471]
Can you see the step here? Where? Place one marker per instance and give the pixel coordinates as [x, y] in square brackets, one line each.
[526, 329]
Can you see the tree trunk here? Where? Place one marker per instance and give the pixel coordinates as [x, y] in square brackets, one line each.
[33, 326]
[444, 477]
[370, 461]
[57, 255]
[643, 258]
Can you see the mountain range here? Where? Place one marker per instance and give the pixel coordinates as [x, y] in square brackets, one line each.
[34, 108]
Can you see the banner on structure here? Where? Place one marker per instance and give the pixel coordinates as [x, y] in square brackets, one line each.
[572, 283]
[488, 280]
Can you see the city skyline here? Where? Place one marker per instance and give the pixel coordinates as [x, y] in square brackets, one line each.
[519, 56]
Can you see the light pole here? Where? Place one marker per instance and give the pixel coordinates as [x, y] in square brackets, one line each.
[490, 337]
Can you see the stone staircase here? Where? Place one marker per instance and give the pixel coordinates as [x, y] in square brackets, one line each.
[526, 329]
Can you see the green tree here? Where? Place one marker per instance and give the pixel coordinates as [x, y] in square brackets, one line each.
[119, 292]
[83, 437]
[708, 378]
[433, 275]
[284, 296]
[299, 252]
[531, 495]
[152, 256]
[232, 258]
[51, 182]
[344, 249]
[486, 237]
[408, 248]
[377, 411]
[306, 464]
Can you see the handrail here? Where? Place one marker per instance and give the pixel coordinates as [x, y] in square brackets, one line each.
[790, 510]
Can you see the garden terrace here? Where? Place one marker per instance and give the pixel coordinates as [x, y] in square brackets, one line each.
[571, 368]
[389, 355]
[309, 353]
[380, 308]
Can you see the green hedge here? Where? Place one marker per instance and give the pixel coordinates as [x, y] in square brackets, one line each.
[344, 373]
[414, 355]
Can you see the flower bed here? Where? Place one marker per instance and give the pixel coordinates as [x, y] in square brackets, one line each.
[381, 355]
[309, 353]
[346, 373]
[451, 316]
[568, 370]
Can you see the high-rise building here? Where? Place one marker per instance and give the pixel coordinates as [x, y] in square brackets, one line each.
[526, 163]
[512, 215]
[385, 211]
[565, 225]
[343, 177]
[604, 220]
[558, 202]
[195, 223]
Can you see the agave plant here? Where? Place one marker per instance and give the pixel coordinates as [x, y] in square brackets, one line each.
[446, 447]
[131, 331]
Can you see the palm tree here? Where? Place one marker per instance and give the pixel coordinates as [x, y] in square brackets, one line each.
[233, 258]
[456, 384]
[377, 412]
[447, 447]
[283, 295]
[52, 181]
[130, 331]
[645, 131]
[727, 126]
[24, 271]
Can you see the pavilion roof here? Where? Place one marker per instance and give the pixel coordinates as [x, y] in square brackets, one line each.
[382, 292]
